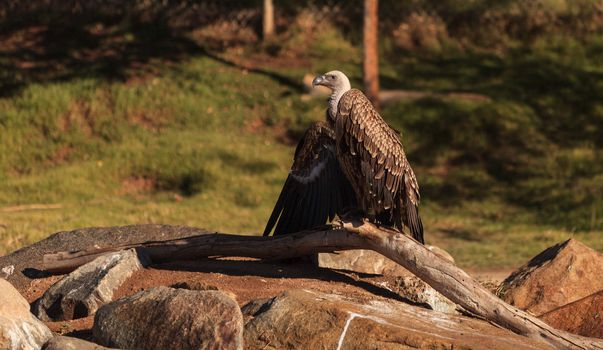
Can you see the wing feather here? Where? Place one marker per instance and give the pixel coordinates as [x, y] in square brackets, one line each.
[315, 189]
[378, 146]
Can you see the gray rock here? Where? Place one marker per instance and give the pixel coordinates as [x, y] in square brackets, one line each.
[83, 291]
[27, 262]
[166, 318]
[69, 343]
[302, 319]
[19, 329]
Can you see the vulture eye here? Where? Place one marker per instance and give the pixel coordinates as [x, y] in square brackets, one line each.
[332, 77]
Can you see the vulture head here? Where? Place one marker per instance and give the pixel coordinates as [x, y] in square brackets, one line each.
[338, 83]
[334, 80]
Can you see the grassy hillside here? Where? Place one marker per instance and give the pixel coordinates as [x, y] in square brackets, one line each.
[188, 146]
[129, 122]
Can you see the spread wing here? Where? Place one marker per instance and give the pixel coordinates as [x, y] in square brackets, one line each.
[316, 189]
[388, 182]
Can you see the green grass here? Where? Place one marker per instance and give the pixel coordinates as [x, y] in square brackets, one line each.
[200, 141]
[175, 149]
[536, 141]
[490, 234]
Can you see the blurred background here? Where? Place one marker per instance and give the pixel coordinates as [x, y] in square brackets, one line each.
[188, 112]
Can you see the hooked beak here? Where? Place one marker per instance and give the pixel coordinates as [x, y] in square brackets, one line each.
[319, 80]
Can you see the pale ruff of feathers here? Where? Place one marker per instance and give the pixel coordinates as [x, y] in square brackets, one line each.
[335, 97]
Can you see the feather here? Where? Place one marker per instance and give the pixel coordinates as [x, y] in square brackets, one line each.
[376, 164]
[312, 193]
[355, 161]
[414, 221]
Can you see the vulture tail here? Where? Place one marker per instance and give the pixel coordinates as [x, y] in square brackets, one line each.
[414, 220]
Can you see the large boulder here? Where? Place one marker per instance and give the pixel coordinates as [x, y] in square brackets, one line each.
[167, 318]
[584, 316]
[302, 319]
[69, 343]
[83, 291]
[19, 329]
[561, 274]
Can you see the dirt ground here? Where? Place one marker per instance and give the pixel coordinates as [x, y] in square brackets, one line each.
[245, 279]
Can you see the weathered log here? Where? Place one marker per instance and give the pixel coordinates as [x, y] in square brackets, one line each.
[443, 276]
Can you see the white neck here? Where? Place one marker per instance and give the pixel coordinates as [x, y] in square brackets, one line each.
[336, 96]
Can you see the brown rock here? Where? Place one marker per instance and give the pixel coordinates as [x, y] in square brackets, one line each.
[166, 318]
[201, 285]
[19, 329]
[302, 319]
[368, 261]
[417, 291]
[194, 285]
[360, 260]
[561, 274]
[83, 291]
[69, 343]
[584, 316]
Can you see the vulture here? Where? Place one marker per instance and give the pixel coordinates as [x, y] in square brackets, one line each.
[351, 164]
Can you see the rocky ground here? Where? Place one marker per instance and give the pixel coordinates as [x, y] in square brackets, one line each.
[352, 300]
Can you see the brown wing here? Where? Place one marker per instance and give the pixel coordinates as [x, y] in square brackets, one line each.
[315, 189]
[388, 184]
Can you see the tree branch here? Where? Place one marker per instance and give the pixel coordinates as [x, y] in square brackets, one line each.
[443, 276]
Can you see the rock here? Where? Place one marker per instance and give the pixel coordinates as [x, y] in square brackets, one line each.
[194, 285]
[19, 329]
[368, 261]
[361, 261]
[83, 291]
[561, 274]
[166, 318]
[256, 306]
[200, 285]
[407, 285]
[417, 291]
[69, 343]
[584, 316]
[27, 262]
[302, 319]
